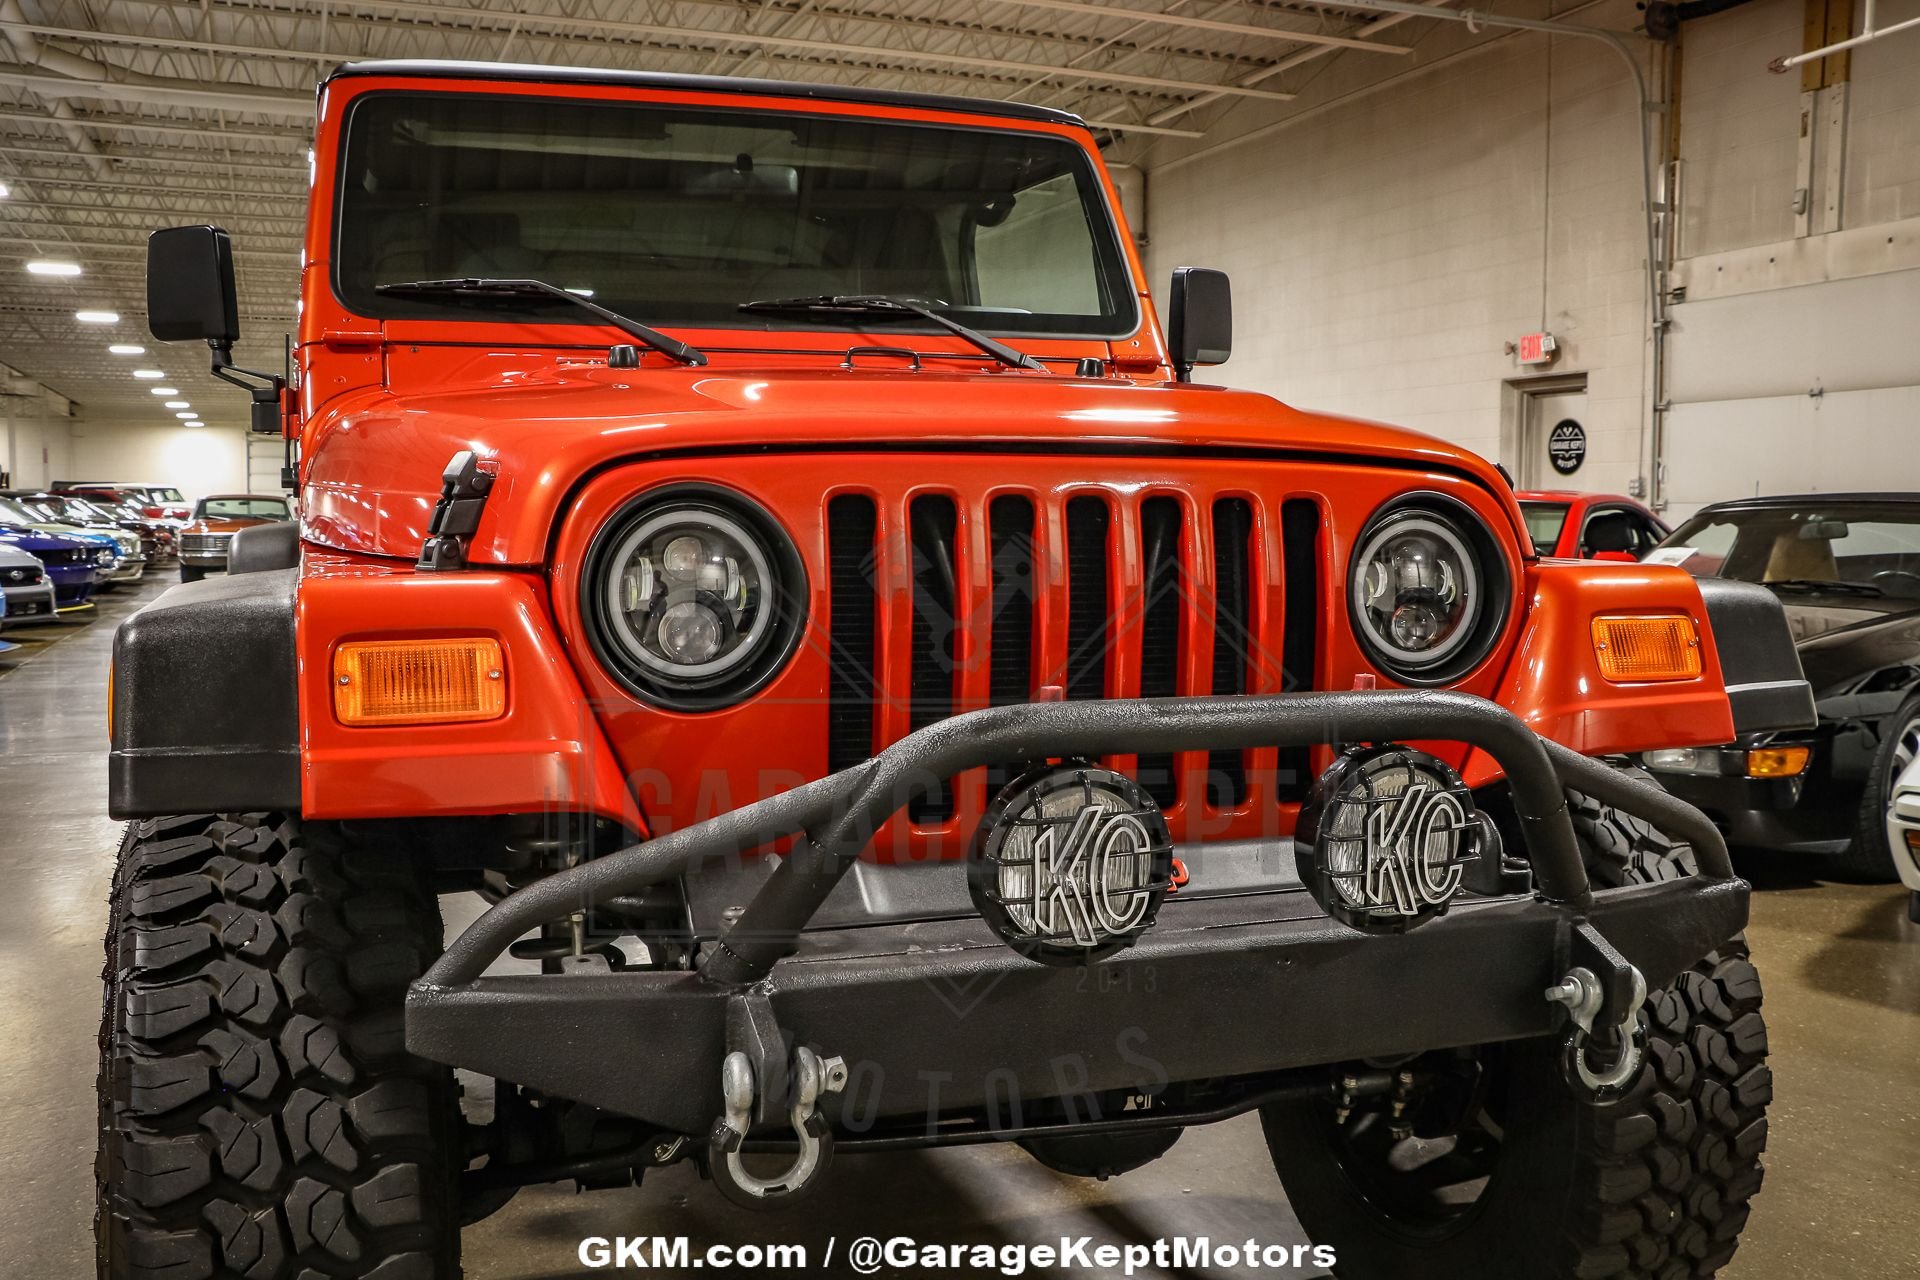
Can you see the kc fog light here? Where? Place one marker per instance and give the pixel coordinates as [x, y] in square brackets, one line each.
[1071, 863]
[1383, 841]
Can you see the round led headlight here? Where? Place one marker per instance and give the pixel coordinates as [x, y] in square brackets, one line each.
[1427, 588]
[693, 597]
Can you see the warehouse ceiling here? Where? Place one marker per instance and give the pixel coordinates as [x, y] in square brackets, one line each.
[119, 116]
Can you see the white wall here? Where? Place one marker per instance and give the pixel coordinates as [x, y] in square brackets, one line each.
[196, 460]
[1391, 230]
[1793, 362]
[33, 441]
[1385, 250]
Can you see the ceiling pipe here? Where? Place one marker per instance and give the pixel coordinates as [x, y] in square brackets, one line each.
[1287, 63]
[1868, 34]
[1241, 29]
[164, 93]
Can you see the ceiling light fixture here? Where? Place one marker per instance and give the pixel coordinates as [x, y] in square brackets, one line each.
[126, 349]
[97, 317]
[195, 422]
[149, 373]
[166, 391]
[188, 413]
[5, 191]
[44, 268]
[178, 404]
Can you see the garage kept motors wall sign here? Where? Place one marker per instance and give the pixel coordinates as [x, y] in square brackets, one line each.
[1567, 446]
[1071, 863]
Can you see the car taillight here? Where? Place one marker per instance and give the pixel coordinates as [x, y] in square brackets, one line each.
[153, 511]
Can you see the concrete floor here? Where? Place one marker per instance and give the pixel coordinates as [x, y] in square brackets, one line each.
[1841, 962]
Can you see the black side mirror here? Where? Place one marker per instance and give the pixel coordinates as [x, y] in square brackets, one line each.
[1200, 319]
[190, 291]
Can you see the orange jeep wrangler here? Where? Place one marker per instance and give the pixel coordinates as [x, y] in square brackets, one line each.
[759, 539]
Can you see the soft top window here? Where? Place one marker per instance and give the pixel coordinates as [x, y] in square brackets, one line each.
[675, 216]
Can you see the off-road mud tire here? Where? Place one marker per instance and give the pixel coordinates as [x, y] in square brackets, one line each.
[260, 1117]
[1654, 1187]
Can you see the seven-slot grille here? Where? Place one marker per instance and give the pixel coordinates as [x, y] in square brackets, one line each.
[1098, 592]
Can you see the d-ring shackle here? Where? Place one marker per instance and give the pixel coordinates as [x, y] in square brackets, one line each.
[813, 1077]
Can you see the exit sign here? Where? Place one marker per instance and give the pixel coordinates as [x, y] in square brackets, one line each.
[1538, 348]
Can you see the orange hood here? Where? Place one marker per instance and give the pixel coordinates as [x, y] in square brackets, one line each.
[375, 456]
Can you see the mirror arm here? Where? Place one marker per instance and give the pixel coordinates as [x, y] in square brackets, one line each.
[266, 418]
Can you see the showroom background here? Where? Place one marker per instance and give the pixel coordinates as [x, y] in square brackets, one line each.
[1410, 226]
[1392, 231]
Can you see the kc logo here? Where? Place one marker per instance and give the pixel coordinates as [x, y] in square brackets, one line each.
[1404, 835]
[1383, 841]
[1071, 863]
[1085, 883]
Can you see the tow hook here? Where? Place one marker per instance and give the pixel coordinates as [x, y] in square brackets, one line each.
[812, 1078]
[1580, 991]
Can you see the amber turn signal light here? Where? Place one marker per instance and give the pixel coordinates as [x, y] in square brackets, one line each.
[419, 681]
[1661, 646]
[1778, 762]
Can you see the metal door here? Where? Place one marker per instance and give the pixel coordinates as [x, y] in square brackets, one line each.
[1553, 443]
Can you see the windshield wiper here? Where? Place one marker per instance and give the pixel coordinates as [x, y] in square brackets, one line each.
[843, 305]
[482, 288]
[1827, 585]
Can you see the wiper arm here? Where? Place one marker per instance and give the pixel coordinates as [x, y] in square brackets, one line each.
[1828, 585]
[481, 288]
[829, 304]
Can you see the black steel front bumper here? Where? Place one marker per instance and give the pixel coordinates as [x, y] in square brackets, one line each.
[940, 1016]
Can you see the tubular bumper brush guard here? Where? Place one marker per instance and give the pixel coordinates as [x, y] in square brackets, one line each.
[629, 1031]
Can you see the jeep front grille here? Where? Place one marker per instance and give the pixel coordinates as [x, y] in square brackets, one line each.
[1101, 592]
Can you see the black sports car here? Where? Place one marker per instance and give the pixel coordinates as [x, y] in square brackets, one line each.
[1847, 568]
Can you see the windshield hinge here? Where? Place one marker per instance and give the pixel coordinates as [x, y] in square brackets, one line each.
[463, 494]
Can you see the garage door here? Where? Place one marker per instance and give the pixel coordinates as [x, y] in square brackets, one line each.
[1808, 388]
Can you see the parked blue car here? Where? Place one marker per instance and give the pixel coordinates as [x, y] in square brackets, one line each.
[74, 563]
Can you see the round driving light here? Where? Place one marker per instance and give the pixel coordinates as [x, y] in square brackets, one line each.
[1384, 838]
[1070, 863]
[1427, 589]
[693, 597]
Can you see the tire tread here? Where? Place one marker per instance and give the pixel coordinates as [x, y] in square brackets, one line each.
[259, 1116]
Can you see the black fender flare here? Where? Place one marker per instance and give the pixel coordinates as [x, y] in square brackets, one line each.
[1758, 659]
[264, 546]
[205, 700]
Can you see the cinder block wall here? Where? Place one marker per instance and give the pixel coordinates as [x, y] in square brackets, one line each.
[1385, 249]
[1401, 221]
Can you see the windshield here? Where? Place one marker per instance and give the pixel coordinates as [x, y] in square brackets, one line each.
[12, 512]
[1859, 546]
[242, 509]
[165, 495]
[1544, 521]
[676, 215]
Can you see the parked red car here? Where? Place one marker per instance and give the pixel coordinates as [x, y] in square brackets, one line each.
[1589, 526]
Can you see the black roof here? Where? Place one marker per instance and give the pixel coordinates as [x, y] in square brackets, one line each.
[450, 70]
[1904, 499]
